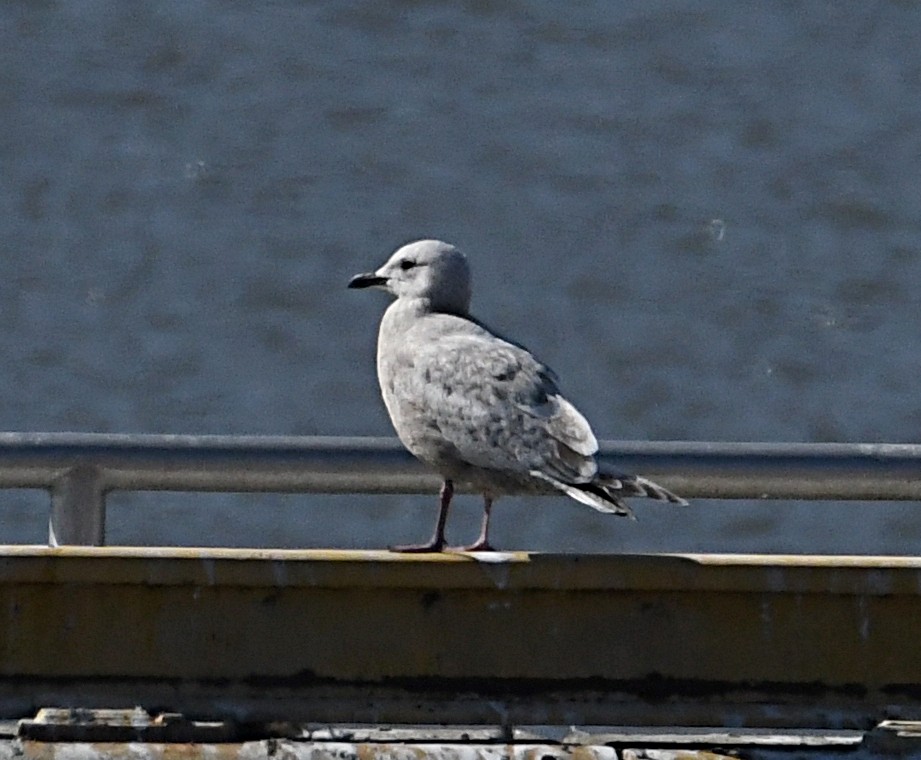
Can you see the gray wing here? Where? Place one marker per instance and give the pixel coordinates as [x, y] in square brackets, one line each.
[500, 408]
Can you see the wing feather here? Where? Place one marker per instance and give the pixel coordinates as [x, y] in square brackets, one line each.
[499, 407]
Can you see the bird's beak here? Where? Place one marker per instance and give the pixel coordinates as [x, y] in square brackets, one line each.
[367, 280]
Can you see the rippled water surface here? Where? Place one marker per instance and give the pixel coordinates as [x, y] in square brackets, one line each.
[704, 215]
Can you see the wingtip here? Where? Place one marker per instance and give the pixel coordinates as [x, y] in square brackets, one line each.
[655, 491]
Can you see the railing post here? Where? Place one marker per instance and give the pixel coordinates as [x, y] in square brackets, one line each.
[78, 508]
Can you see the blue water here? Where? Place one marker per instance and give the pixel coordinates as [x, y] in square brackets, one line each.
[704, 215]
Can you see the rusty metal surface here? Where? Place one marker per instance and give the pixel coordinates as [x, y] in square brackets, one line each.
[488, 639]
[769, 747]
[81, 735]
[113, 725]
[311, 751]
[446, 743]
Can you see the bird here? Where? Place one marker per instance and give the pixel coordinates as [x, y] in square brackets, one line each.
[478, 408]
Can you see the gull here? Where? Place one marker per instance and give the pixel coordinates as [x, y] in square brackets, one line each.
[478, 408]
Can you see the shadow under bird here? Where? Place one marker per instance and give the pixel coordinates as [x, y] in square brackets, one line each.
[479, 409]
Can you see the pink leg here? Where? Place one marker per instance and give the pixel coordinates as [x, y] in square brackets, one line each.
[437, 541]
[482, 543]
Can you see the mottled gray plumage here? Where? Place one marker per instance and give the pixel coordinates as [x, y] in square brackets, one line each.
[479, 409]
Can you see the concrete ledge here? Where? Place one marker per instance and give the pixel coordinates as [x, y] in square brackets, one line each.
[493, 638]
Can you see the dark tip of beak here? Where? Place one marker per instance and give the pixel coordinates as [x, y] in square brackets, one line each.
[368, 280]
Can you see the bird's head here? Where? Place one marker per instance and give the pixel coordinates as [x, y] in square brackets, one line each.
[426, 269]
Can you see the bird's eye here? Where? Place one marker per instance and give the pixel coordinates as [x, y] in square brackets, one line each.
[407, 264]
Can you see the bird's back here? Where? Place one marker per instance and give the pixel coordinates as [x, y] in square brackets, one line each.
[477, 407]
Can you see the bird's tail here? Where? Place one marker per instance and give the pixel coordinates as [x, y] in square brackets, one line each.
[606, 493]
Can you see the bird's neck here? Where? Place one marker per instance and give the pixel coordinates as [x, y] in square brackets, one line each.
[403, 311]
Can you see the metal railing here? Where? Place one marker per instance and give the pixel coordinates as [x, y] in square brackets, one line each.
[79, 469]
